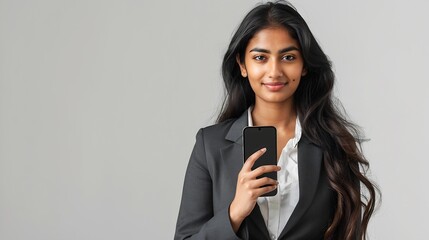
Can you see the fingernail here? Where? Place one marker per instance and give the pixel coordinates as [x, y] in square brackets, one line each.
[264, 149]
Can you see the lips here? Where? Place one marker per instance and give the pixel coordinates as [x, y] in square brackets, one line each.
[274, 86]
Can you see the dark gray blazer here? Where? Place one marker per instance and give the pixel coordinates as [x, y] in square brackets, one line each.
[211, 179]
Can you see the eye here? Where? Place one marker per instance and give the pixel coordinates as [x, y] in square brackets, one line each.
[259, 58]
[288, 58]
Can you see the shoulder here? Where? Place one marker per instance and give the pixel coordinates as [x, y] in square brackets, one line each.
[223, 133]
[209, 140]
[216, 131]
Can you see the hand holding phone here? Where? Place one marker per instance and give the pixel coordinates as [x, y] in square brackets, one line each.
[250, 187]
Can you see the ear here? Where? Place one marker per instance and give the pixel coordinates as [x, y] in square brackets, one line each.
[242, 66]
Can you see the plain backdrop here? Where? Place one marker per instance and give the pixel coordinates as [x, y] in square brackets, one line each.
[100, 102]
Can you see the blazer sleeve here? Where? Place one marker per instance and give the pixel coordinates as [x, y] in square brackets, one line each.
[196, 218]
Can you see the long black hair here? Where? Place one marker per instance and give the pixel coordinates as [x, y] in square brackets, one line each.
[322, 119]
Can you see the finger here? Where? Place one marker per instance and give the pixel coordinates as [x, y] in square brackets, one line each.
[262, 190]
[264, 169]
[252, 159]
[262, 182]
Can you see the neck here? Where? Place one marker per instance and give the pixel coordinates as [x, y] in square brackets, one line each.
[281, 116]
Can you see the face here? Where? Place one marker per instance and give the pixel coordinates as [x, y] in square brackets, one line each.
[273, 65]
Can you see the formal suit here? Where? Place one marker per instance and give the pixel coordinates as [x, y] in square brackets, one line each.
[211, 179]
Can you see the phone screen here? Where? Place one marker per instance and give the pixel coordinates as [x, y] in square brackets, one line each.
[255, 138]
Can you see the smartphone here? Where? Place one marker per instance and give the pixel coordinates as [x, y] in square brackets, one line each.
[256, 138]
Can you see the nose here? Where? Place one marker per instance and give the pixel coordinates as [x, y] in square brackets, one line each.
[274, 70]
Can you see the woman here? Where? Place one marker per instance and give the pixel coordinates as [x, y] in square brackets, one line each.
[277, 75]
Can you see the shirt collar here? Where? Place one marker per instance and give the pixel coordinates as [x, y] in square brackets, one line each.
[298, 130]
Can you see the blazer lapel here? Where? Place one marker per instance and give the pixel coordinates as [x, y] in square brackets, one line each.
[234, 152]
[309, 165]
[236, 131]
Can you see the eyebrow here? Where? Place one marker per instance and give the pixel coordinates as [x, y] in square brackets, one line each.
[284, 50]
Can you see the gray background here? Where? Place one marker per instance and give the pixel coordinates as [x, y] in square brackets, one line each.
[100, 102]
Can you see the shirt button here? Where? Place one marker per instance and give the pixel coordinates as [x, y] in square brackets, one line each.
[273, 237]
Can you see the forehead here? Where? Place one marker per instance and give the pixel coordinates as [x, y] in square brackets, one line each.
[272, 38]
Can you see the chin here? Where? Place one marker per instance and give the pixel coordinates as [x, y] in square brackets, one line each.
[277, 100]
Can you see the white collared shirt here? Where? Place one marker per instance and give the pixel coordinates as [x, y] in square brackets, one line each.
[276, 210]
